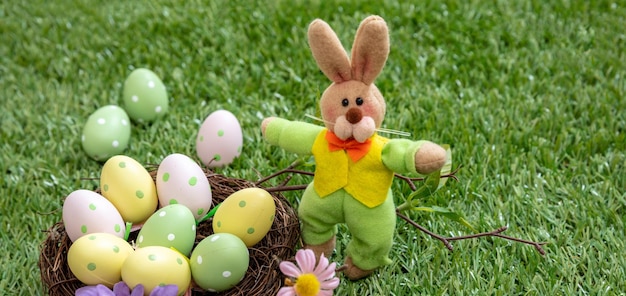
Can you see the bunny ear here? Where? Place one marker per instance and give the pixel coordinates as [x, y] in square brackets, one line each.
[328, 52]
[370, 49]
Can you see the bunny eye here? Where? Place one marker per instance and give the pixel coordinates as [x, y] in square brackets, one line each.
[345, 102]
[359, 101]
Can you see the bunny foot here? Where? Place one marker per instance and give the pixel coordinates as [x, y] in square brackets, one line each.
[326, 248]
[353, 272]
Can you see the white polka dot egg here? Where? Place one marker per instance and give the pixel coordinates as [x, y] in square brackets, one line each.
[219, 139]
[129, 187]
[219, 262]
[106, 133]
[145, 96]
[172, 226]
[180, 180]
[97, 258]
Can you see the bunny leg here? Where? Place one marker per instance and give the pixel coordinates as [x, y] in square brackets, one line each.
[319, 218]
[372, 232]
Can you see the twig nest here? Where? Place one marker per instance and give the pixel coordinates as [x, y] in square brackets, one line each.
[263, 276]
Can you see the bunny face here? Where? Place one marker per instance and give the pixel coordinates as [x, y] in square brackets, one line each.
[352, 106]
[352, 109]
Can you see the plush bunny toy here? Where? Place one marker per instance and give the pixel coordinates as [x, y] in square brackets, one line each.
[354, 165]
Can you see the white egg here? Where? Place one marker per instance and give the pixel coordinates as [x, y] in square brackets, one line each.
[86, 212]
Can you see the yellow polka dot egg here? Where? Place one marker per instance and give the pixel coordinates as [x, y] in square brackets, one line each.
[129, 187]
[157, 266]
[180, 180]
[97, 258]
[247, 213]
[220, 139]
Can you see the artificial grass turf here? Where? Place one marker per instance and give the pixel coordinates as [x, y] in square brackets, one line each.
[530, 94]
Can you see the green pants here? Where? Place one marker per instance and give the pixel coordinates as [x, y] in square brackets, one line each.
[372, 229]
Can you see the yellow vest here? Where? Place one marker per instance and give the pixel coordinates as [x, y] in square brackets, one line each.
[368, 180]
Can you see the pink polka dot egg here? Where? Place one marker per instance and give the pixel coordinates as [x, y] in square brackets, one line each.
[180, 180]
[219, 139]
[86, 212]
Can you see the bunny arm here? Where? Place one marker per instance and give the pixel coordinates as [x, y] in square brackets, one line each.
[398, 155]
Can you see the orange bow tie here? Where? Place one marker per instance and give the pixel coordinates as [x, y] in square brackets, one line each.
[354, 149]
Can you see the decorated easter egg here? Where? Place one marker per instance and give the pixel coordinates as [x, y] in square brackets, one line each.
[156, 266]
[247, 213]
[106, 133]
[145, 96]
[220, 139]
[219, 262]
[97, 258]
[172, 226]
[180, 180]
[129, 187]
[86, 212]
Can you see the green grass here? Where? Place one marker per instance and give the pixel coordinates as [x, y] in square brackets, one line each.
[531, 95]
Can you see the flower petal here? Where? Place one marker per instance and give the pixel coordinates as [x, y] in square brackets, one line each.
[289, 269]
[325, 293]
[327, 273]
[87, 291]
[306, 260]
[286, 291]
[137, 290]
[121, 289]
[321, 265]
[330, 284]
[167, 290]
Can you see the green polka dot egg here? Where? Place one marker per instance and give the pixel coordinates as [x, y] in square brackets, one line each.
[219, 139]
[129, 187]
[97, 258]
[219, 262]
[172, 226]
[145, 96]
[180, 180]
[86, 212]
[157, 266]
[247, 213]
[106, 133]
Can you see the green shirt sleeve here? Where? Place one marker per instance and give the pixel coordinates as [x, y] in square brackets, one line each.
[293, 136]
[399, 155]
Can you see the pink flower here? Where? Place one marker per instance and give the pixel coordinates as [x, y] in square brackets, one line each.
[306, 279]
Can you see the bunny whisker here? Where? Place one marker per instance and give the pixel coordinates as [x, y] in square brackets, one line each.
[380, 129]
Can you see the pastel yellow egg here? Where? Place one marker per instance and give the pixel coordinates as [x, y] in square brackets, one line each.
[156, 266]
[247, 213]
[97, 258]
[129, 187]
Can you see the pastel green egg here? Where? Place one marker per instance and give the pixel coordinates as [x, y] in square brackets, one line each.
[145, 96]
[106, 133]
[172, 226]
[219, 262]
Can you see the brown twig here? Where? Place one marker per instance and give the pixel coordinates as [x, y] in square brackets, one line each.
[411, 180]
[497, 233]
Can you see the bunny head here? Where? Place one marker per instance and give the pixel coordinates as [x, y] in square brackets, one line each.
[352, 106]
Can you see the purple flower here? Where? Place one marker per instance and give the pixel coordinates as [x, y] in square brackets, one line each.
[122, 289]
[306, 279]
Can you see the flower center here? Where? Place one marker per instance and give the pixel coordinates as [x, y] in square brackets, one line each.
[307, 285]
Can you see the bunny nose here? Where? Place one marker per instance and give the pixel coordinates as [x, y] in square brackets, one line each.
[354, 115]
